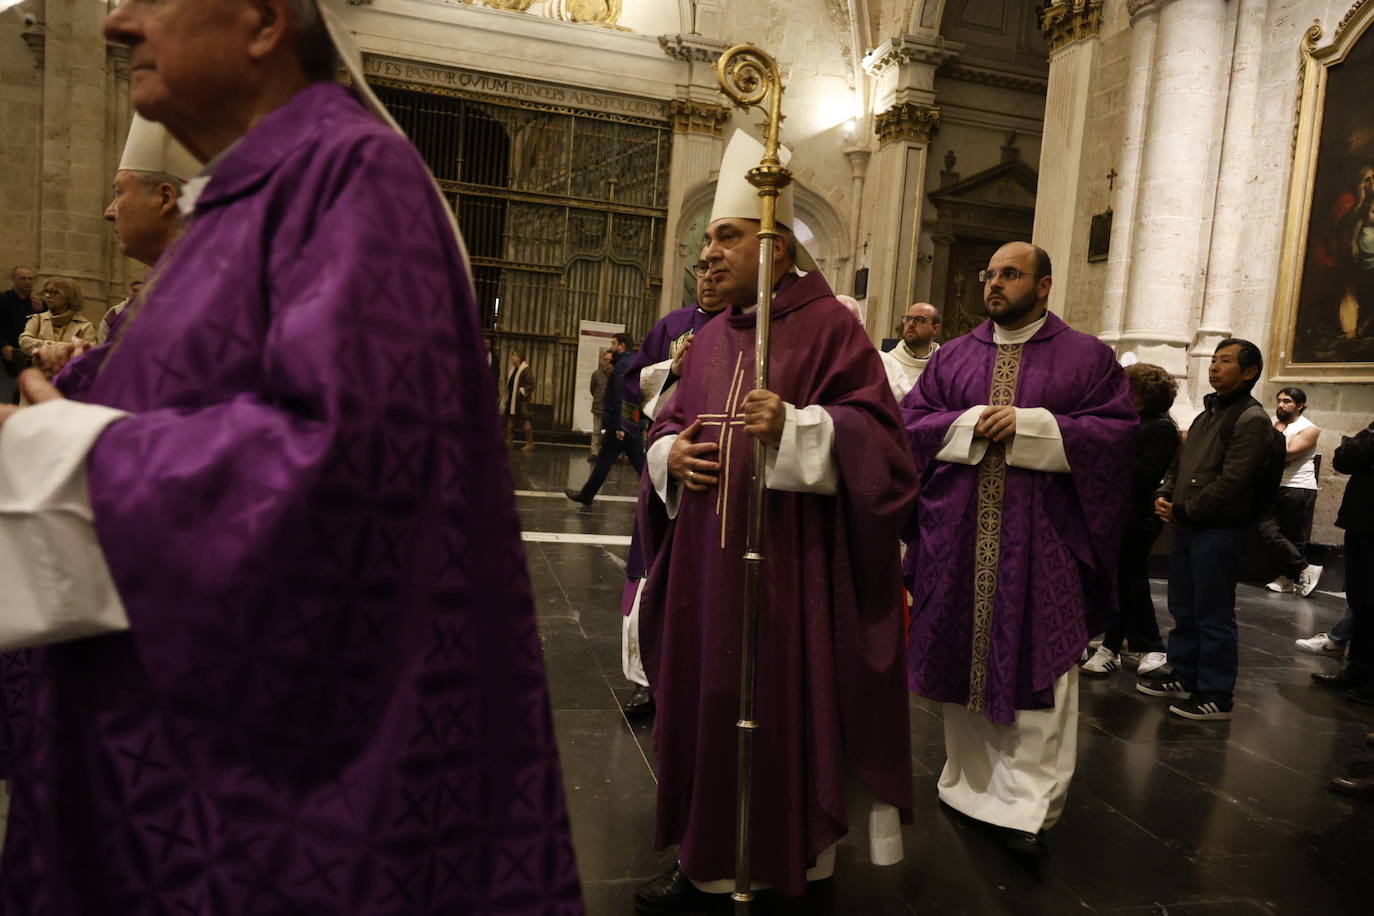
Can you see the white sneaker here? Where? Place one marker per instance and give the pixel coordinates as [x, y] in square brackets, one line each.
[1321, 644]
[1281, 584]
[1151, 661]
[1307, 580]
[1103, 663]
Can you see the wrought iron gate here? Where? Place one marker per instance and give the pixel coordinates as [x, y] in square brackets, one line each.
[563, 212]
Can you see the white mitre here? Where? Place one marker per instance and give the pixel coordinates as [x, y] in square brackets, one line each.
[736, 198]
[151, 149]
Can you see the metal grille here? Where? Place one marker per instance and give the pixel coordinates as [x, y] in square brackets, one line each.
[563, 212]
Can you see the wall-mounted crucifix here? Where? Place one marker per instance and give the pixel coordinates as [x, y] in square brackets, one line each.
[1112, 176]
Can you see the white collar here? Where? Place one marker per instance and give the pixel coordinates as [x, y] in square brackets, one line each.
[1001, 335]
[903, 356]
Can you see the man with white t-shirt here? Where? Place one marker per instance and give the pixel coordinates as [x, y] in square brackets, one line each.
[1285, 528]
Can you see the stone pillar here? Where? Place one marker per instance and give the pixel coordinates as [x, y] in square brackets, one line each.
[1070, 28]
[75, 153]
[906, 119]
[858, 172]
[1175, 161]
[1144, 30]
[699, 121]
[1233, 241]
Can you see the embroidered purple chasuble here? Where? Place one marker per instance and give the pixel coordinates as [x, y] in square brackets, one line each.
[831, 691]
[1012, 570]
[332, 697]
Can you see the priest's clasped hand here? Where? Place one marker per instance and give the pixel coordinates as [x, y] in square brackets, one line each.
[36, 390]
[690, 461]
[997, 424]
[764, 416]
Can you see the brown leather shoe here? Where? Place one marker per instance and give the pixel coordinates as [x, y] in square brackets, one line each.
[1355, 786]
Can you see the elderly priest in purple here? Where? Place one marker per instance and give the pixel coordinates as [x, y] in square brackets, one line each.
[1023, 434]
[832, 754]
[290, 662]
[650, 378]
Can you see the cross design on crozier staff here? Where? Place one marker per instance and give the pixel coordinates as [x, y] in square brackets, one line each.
[729, 424]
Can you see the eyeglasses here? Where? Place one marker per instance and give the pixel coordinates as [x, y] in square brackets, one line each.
[1008, 275]
[701, 268]
[914, 319]
[50, 292]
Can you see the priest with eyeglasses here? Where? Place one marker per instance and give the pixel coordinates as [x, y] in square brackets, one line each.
[1022, 432]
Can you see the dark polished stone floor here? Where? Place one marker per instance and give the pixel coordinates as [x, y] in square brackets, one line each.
[1165, 816]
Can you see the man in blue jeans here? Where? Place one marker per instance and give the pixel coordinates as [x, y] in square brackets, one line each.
[1210, 496]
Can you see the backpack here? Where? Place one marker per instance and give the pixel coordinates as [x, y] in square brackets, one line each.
[1265, 484]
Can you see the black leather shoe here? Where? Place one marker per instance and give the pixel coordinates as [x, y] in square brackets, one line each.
[1344, 679]
[668, 893]
[577, 497]
[640, 703]
[1029, 846]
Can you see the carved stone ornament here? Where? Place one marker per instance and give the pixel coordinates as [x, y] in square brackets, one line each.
[692, 117]
[908, 49]
[1067, 21]
[593, 12]
[907, 121]
[692, 48]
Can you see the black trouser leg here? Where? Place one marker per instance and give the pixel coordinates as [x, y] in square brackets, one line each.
[1359, 593]
[605, 460]
[1284, 529]
[1135, 619]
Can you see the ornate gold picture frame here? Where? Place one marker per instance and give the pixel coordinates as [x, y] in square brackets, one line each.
[1324, 310]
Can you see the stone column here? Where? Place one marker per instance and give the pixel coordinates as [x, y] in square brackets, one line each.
[699, 121]
[1070, 28]
[906, 119]
[75, 152]
[1175, 161]
[1233, 218]
[858, 172]
[1144, 31]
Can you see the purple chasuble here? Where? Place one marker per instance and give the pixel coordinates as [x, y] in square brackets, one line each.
[1011, 570]
[332, 697]
[657, 347]
[831, 690]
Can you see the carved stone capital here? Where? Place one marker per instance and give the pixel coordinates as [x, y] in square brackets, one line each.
[907, 121]
[693, 117]
[1067, 21]
[909, 49]
[34, 37]
[858, 160]
[119, 61]
[692, 47]
[1136, 8]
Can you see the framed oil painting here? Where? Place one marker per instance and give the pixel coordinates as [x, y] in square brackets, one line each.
[1324, 313]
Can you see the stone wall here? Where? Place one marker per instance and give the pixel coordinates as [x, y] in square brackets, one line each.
[1240, 184]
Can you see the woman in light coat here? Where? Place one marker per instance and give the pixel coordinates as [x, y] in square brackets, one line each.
[61, 323]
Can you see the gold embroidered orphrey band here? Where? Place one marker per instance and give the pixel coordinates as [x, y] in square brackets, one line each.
[987, 543]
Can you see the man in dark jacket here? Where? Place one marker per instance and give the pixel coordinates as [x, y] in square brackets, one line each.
[1356, 458]
[16, 304]
[1210, 497]
[621, 429]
